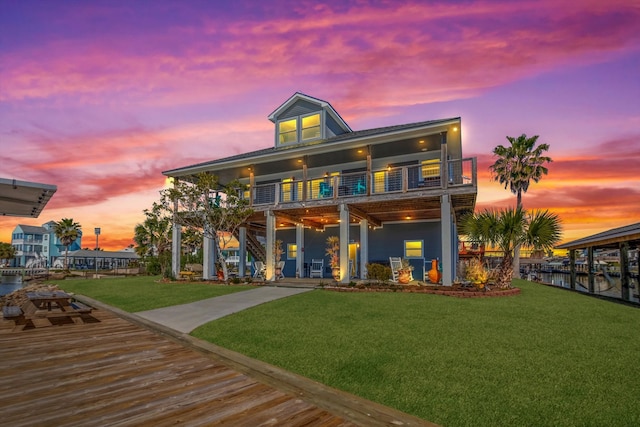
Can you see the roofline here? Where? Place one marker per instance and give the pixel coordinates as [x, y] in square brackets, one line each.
[342, 139]
[324, 104]
[615, 235]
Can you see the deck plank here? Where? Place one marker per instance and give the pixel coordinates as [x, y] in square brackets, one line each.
[112, 371]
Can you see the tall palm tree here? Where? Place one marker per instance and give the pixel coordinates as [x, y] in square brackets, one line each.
[516, 166]
[509, 229]
[7, 252]
[67, 232]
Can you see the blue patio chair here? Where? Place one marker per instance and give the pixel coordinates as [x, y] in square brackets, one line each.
[325, 190]
[360, 188]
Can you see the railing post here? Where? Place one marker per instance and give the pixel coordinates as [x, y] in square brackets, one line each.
[405, 179]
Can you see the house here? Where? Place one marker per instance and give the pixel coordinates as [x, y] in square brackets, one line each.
[390, 191]
[38, 246]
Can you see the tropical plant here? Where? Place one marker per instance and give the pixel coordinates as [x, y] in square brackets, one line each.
[277, 250]
[67, 231]
[516, 166]
[475, 272]
[510, 228]
[333, 251]
[206, 205]
[7, 251]
[406, 266]
[153, 240]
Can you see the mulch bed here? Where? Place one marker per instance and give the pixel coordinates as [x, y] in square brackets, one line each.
[452, 291]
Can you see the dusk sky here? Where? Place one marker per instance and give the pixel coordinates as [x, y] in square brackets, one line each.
[99, 97]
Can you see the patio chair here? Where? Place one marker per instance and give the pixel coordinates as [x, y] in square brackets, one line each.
[280, 265]
[396, 264]
[360, 188]
[260, 268]
[325, 190]
[317, 268]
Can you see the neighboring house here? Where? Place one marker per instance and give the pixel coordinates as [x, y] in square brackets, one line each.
[392, 191]
[86, 259]
[38, 246]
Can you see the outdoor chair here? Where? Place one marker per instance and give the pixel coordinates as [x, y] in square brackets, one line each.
[360, 188]
[396, 264]
[325, 190]
[280, 265]
[317, 268]
[260, 268]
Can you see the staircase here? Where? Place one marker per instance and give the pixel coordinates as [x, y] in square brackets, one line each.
[254, 247]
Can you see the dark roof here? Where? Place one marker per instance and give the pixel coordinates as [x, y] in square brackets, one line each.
[338, 138]
[33, 229]
[609, 238]
[86, 253]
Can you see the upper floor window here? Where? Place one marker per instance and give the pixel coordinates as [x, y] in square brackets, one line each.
[311, 127]
[288, 131]
[301, 128]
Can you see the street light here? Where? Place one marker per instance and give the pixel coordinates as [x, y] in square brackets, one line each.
[97, 232]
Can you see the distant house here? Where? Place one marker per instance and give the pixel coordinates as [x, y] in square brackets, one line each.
[395, 191]
[38, 245]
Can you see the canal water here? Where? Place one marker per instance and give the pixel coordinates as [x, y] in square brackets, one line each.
[610, 286]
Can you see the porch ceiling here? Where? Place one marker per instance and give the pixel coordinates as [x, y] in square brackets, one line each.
[377, 210]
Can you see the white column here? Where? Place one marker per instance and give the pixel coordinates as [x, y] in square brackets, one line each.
[175, 249]
[344, 243]
[446, 232]
[271, 240]
[208, 258]
[364, 247]
[300, 249]
[242, 251]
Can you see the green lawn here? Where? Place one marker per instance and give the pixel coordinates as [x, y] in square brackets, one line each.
[545, 357]
[144, 293]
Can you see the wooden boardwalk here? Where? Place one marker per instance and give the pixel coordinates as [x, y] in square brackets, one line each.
[120, 371]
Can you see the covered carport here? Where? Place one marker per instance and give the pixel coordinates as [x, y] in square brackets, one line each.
[626, 240]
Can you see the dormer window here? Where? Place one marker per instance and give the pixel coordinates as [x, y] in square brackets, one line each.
[288, 131]
[299, 129]
[310, 127]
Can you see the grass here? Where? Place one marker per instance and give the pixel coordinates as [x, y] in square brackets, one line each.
[141, 293]
[545, 357]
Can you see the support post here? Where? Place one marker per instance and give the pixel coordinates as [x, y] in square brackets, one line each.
[344, 244]
[592, 277]
[445, 233]
[209, 256]
[271, 241]
[364, 248]
[572, 268]
[242, 251]
[624, 270]
[300, 250]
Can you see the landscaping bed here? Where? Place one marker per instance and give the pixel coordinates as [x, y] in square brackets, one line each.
[459, 291]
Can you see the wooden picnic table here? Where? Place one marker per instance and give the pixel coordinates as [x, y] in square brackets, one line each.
[46, 305]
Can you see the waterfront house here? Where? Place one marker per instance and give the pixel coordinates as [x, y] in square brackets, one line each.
[394, 191]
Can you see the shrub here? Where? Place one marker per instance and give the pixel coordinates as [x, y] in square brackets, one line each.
[378, 272]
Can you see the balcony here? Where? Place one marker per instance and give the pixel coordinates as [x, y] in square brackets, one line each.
[406, 180]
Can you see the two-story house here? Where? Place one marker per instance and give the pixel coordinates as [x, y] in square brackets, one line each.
[395, 191]
[38, 246]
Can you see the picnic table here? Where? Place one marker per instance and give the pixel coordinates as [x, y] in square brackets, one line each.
[44, 306]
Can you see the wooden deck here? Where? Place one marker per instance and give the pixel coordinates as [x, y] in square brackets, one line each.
[120, 371]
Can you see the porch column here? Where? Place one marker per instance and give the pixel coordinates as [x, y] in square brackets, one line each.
[364, 248]
[209, 256]
[344, 243]
[445, 233]
[300, 250]
[242, 251]
[444, 163]
[572, 268]
[176, 244]
[271, 241]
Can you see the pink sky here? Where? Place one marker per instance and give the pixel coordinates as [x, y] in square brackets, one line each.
[100, 97]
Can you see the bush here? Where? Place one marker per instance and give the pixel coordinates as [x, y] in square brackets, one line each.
[378, 272]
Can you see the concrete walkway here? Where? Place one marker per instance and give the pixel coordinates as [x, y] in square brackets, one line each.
[186, 317]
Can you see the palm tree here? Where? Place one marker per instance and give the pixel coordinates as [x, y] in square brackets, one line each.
[516, 166]
[153, 236]
[509, 229]
[67, 232]
[7, 251]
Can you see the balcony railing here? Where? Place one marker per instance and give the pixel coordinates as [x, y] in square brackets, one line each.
[359, 184]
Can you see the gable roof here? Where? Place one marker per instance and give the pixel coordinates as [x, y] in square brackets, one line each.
[32, 229]
[609, 238]
[324, 104]
[345, 137]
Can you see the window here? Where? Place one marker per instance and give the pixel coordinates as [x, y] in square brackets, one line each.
[292, 251]
[413, 249]
[310, 127]
[288, 131]
[431, 168]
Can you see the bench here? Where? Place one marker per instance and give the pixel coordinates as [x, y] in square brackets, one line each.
[11, 312]
[80, 307]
